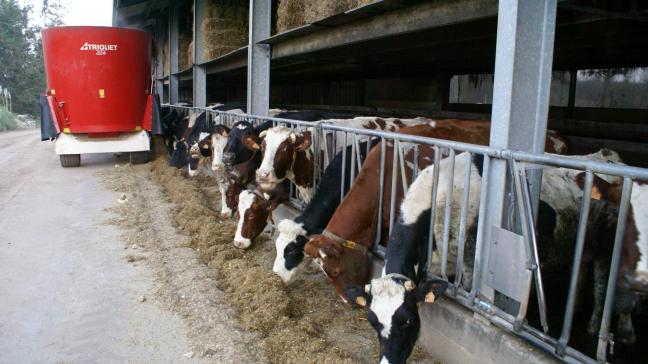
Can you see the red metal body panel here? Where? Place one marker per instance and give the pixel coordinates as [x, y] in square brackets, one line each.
[98, 77]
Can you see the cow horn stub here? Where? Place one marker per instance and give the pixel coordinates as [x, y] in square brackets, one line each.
[367, 288]
[430, 297]
[409, 285]
[263, 134]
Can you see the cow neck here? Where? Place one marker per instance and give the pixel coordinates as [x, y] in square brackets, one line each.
[349, 244]
[302, 168]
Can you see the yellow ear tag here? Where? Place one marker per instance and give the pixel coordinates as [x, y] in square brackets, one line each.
[102, 93]
[596, 194]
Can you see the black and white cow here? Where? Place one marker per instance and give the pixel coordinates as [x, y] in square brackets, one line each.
[236, 152]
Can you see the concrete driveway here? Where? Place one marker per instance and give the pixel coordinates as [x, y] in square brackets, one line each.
[66, 293]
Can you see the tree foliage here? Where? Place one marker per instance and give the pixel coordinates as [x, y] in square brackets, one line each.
[21, 56]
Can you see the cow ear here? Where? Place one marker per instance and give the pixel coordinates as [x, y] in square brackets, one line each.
[430, 290]
[265, 126]
[224, 131]
[357, 296]
[303, 142]
[249, 140]
[263, 134]
[601, 189]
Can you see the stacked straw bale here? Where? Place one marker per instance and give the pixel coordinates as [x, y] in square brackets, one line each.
[166, 65]
[294, 13]
[225, 27]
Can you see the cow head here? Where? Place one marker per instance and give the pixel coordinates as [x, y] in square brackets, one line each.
[236, 151]
[280, 144]
[198, 153]
[253, 210]
[239, 177]
[219, 138]
[342, 265]
[634, 257]
[393, 302]
[180, 154]
[290, 249]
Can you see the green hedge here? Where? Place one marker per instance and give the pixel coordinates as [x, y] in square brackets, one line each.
[7, 120]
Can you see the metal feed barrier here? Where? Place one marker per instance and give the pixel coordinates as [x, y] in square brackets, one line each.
[515, 282]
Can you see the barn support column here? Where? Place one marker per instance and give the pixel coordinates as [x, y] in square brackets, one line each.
[199, 71]
[173, 52]
[159, 57]
[523, 63]
[258, 76]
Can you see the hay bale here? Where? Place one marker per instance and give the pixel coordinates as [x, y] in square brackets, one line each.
[184, 41]
[290, 14]
[166, 64]
[224, 28]
[295, 13]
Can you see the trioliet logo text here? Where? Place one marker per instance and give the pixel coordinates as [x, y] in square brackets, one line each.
[100, 48]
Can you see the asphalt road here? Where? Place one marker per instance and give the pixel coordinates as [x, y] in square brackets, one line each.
[66, 291]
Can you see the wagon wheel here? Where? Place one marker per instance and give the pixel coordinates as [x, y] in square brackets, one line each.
[70, 160]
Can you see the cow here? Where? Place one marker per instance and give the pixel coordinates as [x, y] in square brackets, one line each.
[406, 250]
[341, 249]
[255, 205]
[197, 127]
[292, 234]
[633, 270]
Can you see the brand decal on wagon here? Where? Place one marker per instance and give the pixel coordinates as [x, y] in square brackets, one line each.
[101, 49]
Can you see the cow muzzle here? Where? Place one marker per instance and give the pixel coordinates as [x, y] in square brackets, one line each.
[636, 281]
[228, 159]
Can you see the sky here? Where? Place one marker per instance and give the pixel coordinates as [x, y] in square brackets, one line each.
[79, 12]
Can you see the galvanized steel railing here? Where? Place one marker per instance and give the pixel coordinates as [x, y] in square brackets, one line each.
[326, 139]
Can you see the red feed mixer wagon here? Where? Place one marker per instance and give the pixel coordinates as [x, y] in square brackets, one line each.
[99, 97]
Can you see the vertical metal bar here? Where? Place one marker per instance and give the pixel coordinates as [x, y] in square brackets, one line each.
[461, 238]
[173, 52]
[481, 222]
[381, 188]
[534, 250]
[447, 214]
[353, 158]
[199, 72]
[258, 79]
[524, 225]
[415, 162]
[435, 186]
[315, 137]
[604, 338]
[523, 63]
[401, 161]
[358, 154]
[325, 147]
[394, 181]
[342, 179]
[578, 255]
[159, 64]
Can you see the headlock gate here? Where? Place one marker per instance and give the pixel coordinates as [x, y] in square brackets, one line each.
[502, 270]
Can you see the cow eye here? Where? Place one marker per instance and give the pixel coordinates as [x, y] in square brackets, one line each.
[406, 323]
[250, 216]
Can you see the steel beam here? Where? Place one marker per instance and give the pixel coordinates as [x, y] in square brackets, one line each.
[523, 63]
[258, 79]
[199, 72]
[159, 56]
[173, 50]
